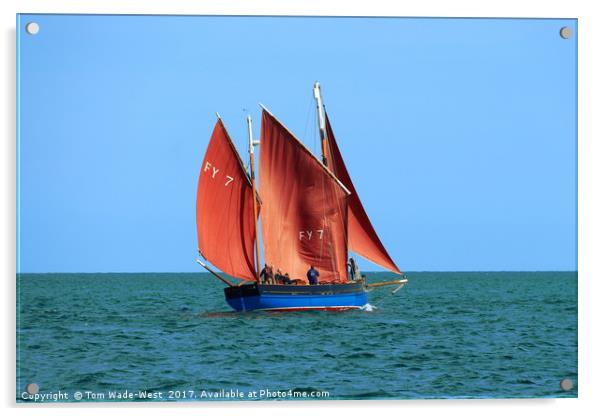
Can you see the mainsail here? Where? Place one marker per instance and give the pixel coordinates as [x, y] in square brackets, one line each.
[361, 234]
[224, 208]
[304, 207]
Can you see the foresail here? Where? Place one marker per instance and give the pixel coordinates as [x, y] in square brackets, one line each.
[304, 207]
[224, 208]
[363, 239]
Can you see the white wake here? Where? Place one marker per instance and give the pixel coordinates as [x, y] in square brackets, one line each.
[368, 308]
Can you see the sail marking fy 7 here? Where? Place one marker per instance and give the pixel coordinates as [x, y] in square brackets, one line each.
[224, 208]
[304, 207]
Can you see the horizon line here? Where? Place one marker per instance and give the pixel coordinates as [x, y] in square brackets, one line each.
[366, 271]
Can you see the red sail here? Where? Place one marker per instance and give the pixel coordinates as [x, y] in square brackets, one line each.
[304, 208]
[362, 238]
[224, 208]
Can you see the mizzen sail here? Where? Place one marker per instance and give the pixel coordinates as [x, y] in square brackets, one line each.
[224, 208]
[362, 237]
[304, 207]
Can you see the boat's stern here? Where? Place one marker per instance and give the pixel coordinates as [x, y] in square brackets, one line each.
[243, 298]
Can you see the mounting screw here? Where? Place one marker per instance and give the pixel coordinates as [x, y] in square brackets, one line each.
[566, 384]
[32, 388]
[32, 28]
[565, 32]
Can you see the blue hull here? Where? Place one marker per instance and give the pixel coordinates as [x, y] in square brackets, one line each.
[294, 298]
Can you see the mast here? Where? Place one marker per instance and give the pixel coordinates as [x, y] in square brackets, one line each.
[321, 122]
[252, 144]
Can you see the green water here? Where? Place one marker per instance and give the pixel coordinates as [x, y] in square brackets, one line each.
[444, 335]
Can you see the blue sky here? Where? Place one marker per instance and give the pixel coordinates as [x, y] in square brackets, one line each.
[460, 134]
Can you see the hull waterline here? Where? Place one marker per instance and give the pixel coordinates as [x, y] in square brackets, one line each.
[289, 298]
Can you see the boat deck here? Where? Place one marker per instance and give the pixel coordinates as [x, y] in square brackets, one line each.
[313, 290]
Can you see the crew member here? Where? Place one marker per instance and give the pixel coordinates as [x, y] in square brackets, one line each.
[353, 269]
[312, 275]
[263, 276]
[279, 277]
[268, 272]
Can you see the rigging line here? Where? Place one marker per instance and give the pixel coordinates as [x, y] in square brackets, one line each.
[323, 224]
[324, 221]
[315, 133]
[341, 210]
[334, 260]
[307, 118]
[248, 163]
[328, 230]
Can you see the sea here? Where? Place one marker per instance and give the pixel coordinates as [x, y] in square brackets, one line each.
[171, 336]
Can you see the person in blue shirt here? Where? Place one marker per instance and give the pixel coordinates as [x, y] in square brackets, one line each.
[312, 275]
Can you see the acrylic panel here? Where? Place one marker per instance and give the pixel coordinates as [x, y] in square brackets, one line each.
[439, 154]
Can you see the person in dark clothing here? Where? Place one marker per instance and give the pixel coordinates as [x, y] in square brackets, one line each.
[353, 269]
[286, 279]
[267, 275]
[312, 275]
[263, 276]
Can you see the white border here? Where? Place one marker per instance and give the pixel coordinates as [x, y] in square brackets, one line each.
[590, 207]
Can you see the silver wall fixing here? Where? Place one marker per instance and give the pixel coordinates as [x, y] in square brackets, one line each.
[32, 28]
[565, 32]
[32, 388]
[566, 384]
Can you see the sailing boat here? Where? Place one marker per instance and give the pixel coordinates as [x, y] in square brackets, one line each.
[311, 216]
